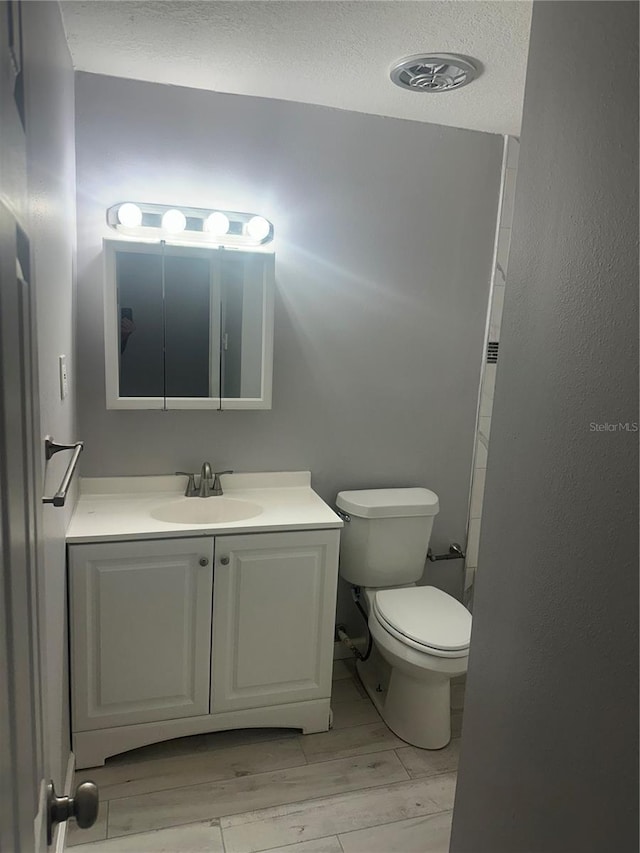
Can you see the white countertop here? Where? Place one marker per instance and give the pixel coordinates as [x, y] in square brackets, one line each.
[118, 508]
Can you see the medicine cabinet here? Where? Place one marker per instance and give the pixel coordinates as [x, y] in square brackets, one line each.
[187, 327]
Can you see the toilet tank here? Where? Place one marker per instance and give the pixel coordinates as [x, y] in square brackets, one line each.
[386, 541]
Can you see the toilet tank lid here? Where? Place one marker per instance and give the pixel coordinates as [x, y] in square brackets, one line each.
[389, 503]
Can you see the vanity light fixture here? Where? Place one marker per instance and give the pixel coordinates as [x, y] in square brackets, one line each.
[191, 225]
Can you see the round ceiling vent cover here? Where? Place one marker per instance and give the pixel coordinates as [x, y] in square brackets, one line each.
[440, 72]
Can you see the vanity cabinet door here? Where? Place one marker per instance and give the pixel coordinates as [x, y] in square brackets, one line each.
[273, 618]
[140, 631]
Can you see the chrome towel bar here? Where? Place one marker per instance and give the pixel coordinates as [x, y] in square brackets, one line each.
[51, 447]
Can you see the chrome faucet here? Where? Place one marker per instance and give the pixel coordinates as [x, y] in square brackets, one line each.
[205, 489]
[205, 479]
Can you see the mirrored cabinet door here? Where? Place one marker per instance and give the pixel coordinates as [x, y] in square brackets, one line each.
[140, 326]
[192, 327]
[241, 315]
[187, 327]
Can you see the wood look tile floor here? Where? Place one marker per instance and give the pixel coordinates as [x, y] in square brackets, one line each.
[355, 789]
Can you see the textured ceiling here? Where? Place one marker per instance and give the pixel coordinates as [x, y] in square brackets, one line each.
[337, 54]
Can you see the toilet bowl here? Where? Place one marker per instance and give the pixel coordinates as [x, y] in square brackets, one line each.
[420, 634]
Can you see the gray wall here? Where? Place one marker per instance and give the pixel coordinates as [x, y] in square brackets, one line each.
[384, 243]
[549, 755]
[51, 175]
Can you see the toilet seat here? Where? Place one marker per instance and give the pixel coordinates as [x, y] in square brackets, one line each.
[425, 618]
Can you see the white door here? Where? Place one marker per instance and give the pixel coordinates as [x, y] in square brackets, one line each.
[273, 617]
[140, 620]
[21, 718]
[23, 773]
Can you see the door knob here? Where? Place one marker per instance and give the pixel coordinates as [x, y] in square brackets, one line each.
[83, 806]
[224, 561]
[204, 561]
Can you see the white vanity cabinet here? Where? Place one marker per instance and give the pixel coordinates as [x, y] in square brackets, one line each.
[181, 636]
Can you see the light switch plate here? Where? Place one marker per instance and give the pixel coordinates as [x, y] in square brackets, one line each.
[64, 379]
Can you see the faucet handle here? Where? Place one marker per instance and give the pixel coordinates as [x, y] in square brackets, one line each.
[191, 489]
[217, 486]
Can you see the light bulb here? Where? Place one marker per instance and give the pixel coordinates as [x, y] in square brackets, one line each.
[129, 215]
[174, 221]
[258, 227]
[217, 224]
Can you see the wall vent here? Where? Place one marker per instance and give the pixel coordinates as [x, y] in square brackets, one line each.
[492, 352]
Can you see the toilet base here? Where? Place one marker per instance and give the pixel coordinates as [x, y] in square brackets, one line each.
[416, 710]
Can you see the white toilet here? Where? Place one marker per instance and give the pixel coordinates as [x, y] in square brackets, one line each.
[420, 634]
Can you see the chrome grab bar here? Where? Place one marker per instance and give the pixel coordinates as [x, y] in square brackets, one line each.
[51, 447]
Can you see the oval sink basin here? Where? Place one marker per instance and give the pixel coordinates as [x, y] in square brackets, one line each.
[215, 510]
